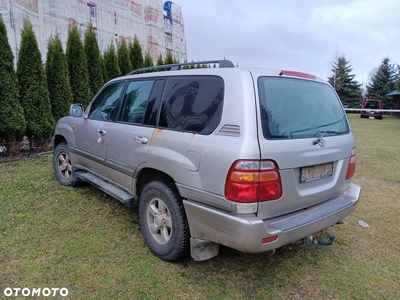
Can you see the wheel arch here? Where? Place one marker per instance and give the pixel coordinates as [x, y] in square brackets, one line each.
[57, 139]
[64, 132]
[146, 175]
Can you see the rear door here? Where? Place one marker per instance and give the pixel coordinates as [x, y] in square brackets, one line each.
[304, 129]
[129, 137]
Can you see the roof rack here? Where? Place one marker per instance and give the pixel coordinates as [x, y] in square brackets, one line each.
[172, 67]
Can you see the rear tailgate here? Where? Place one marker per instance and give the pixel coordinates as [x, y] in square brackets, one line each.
[304, 130]
[309, 173]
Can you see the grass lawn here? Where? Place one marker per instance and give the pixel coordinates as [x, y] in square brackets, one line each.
[78, 238]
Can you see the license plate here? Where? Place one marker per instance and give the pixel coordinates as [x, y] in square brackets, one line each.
[316, 172]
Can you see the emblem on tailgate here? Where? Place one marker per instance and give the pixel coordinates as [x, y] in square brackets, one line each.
[322, 143]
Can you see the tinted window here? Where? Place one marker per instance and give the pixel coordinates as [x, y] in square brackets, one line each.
[104, 106]
[372, 104]
[135, 102]
[192, 103]
[294, 108]
[153, 107]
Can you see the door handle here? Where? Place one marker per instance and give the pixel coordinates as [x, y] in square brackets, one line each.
[101, 131]
[140, 140]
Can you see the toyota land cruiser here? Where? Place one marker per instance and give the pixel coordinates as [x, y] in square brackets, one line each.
[253, 159]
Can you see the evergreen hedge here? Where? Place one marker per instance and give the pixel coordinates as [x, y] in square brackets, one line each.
[148, 60]
[124, 60]
[136, 54]
[94, 64]
[12, 120]
[33, 87]
[111, 63]
[60, 91]
[77, 67]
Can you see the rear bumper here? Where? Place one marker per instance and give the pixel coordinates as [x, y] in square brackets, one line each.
[245, 233]
[371, 114]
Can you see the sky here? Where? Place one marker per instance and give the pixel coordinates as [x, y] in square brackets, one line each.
[300, 35]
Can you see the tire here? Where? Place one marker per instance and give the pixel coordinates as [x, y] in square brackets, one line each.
[163, 221]
[62, 166]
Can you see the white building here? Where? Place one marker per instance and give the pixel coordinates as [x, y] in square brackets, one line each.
[113, 20]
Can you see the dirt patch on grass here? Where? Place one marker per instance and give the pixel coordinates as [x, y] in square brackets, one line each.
[17, 151]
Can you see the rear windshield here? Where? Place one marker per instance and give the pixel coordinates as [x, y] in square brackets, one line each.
[297, 108]
[372, 104]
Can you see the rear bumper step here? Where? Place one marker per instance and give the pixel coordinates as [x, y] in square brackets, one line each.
[311, 215]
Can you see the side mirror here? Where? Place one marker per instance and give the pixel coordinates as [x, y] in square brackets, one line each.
[76, 110]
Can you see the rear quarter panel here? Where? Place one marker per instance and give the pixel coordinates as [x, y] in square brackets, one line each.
[199, 163]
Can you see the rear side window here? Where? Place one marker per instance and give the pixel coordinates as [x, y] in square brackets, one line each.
[192, 103]
[296, 108]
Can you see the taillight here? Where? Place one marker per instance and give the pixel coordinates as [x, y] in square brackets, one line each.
[351, 169]
[253, 181]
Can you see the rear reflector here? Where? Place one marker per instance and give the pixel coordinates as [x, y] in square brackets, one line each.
[269, 239]
[297, 74]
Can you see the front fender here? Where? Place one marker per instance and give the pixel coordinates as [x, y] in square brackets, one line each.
[64, 132]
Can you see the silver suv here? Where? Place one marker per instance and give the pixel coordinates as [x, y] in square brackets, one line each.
[253, 159]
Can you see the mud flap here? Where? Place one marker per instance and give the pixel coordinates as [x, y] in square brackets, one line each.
[202, 249]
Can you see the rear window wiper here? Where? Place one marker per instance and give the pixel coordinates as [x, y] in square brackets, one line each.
[323, 134]
[301, 130]
[317, 127]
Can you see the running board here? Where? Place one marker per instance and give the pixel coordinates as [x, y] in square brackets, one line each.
[108, 188]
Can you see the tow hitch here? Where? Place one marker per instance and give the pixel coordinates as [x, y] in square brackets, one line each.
[311, 240]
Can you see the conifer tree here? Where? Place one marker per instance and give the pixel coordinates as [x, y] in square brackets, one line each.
[77, 67]
[124, 60]
[186, 66]
[148, 60]
[169, 59]
[347, 88]
[95, 69]
[103, 68]
[160, 62]
[136, 54]
[33, 86]
[58, 79]
[383, 81]
[397, 84]
[111, 63]
[12, 120]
